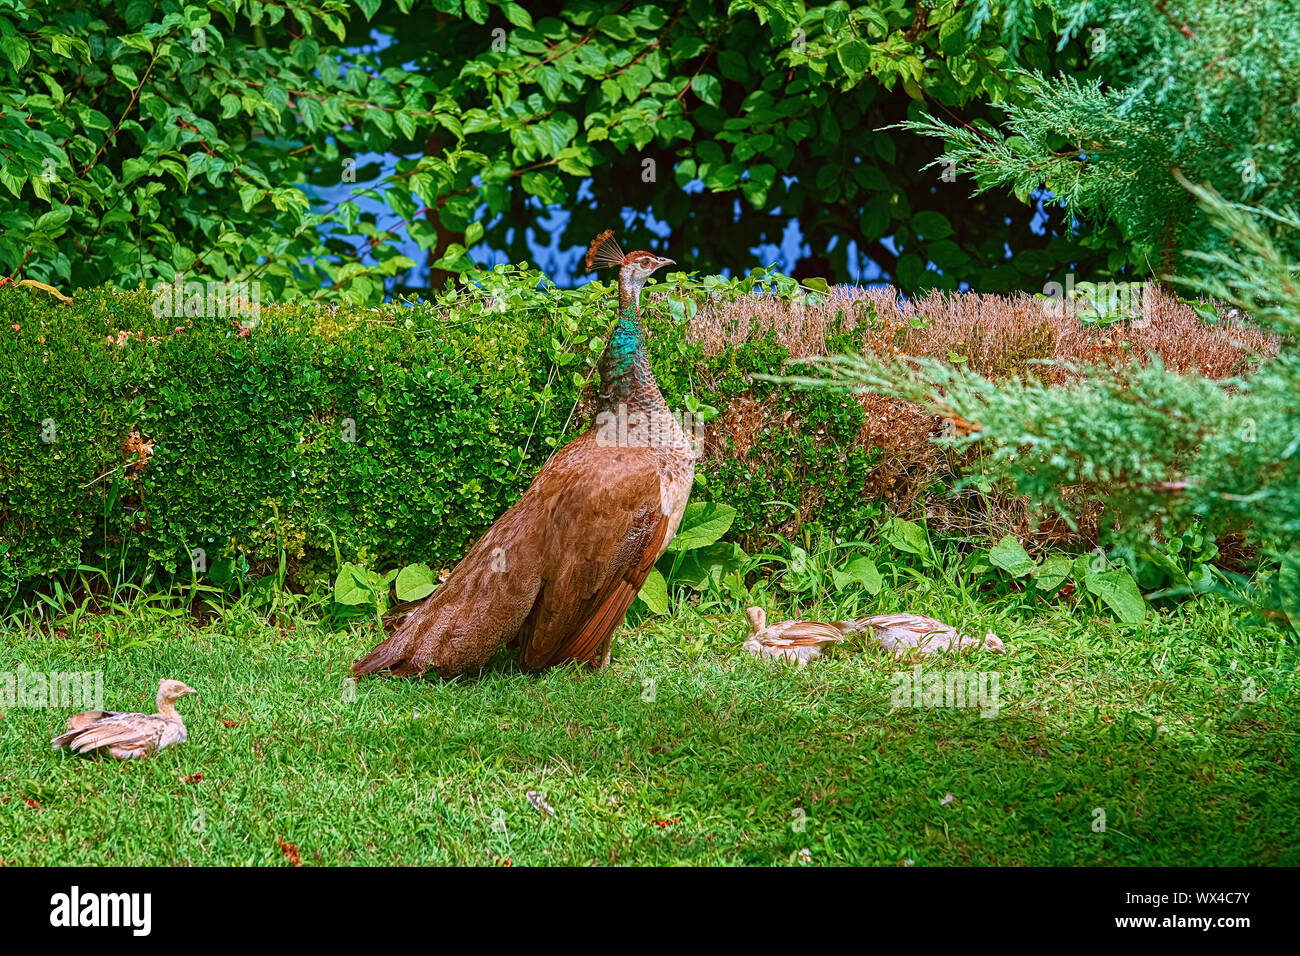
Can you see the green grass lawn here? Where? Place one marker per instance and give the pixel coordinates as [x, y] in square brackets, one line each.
[685, 750]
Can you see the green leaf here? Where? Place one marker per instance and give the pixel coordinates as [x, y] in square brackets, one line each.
[126, 75]
[931, 225]
[865, 572]
[1010, 556]
[551, 80]
[401, 202]
[12, 181]
[655, 592]
[415, 581]
[910, 269]
[422, 233]
[854, 57]
[952, 38]
[408, 123]
[708, 88]
[702, 524]
[17, 50]
[517, 15]
[305, 52]
[450, 259]
[356, 584]
[703, 567]
[1052, 572]
[616, 27]
[733, 65]
[908, 536]
[1120, 593]
[52, 222]
[545, 185]
[875, 218]
[312, 111]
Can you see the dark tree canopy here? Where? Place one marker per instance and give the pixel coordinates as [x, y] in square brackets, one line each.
[141, 139]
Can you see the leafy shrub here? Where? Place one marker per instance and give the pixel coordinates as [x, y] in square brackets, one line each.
[1169, 453]
[141, 443]
[384, 436]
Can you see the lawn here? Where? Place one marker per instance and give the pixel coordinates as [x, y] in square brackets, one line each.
[685, 750]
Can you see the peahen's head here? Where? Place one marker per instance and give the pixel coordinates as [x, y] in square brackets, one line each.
[633, 268]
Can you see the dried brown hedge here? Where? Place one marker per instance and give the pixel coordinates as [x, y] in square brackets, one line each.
[998, 337]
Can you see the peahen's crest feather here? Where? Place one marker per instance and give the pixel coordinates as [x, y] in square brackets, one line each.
[604, 251]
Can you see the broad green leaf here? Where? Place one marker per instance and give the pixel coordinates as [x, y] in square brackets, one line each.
[17, 49]
[1052, 572]
[701, 567]
[908, 536]
[931, 225]
[702, 524]
[53, 221]
[1010, 556]
[517, 15]
[126, 75]
[1120, 593]
[356, 584]
[551, 80]
[415, 581]
[12, 181]
[855, 58]
[312, 111]
[422, 233]
[655, 592]
[401, 202]
[865, 572]
[708, 88]
[615, 26]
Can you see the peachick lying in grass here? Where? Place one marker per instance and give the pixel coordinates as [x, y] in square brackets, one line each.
[802, 641]
[128, 735]
[901, 633]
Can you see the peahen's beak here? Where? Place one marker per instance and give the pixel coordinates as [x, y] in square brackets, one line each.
[665, 262]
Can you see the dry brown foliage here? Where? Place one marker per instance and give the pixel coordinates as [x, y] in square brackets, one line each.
[996, 336]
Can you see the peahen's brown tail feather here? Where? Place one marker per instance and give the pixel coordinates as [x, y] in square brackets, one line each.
[390, 654]
[480, 605]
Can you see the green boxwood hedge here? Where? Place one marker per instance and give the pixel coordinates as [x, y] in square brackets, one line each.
[385, 435]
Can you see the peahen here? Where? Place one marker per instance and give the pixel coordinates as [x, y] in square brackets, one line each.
[555, 575]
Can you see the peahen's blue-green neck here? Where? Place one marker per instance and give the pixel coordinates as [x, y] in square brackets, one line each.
[625, 375]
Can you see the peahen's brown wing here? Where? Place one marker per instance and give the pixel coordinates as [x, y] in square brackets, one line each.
[555, 570]
[589, 586]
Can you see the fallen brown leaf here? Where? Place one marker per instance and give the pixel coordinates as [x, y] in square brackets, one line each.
[290, 852]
